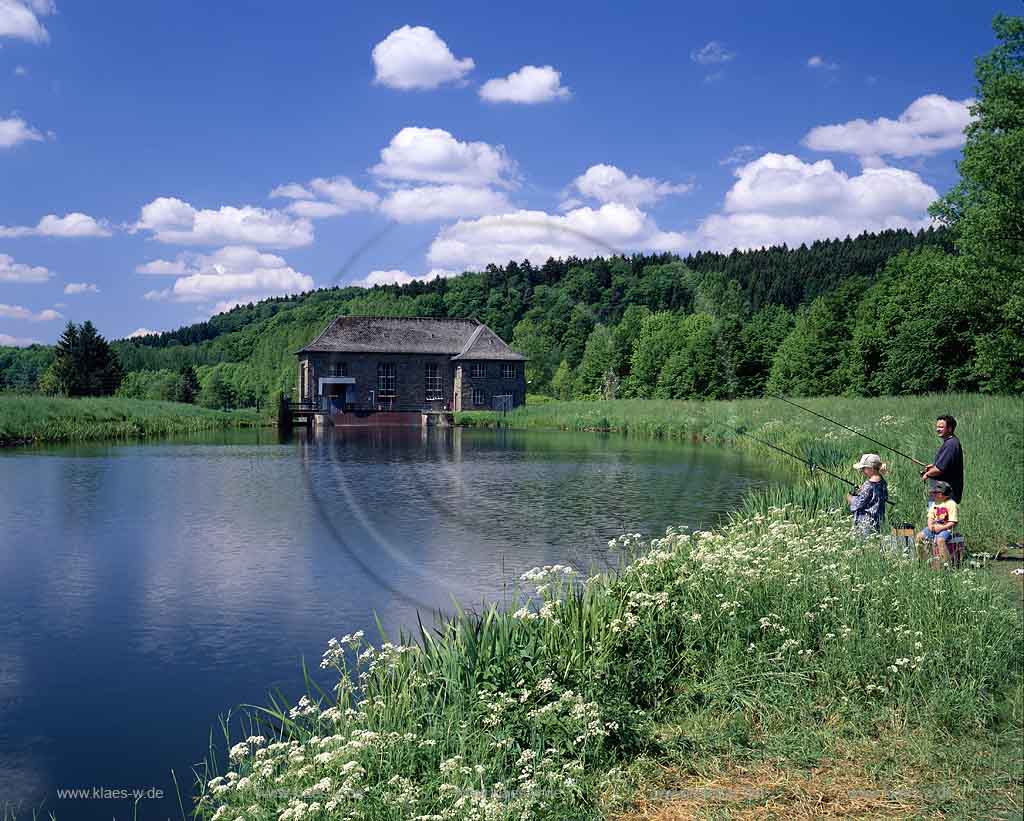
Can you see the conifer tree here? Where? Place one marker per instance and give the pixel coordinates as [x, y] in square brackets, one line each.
[187, 388]
[83, 365]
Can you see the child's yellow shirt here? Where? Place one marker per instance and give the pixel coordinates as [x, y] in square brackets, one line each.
[944, 513]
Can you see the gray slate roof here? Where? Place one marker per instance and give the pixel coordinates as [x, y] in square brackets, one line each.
[459, 338]
[486, 344]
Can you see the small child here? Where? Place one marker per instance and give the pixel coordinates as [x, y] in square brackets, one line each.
[943, 517]
[868, 504]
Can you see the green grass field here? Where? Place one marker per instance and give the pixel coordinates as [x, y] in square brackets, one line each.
[775, 667]
[38, 419]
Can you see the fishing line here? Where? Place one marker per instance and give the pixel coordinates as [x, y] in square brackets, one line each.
[845, 427]
[807, 462]
[813, 467]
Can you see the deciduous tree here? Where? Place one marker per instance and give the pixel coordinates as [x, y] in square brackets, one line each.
[596, 365]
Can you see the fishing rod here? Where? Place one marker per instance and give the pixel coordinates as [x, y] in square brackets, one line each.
[813, 467]
[845, 427]
[807, 462]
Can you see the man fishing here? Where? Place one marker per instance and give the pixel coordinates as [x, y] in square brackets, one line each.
[948, 464]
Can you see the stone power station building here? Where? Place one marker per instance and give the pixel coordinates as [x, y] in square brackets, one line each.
[362, 363]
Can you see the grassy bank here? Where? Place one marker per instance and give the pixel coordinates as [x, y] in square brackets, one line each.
[775, 665]
[38, 419]
[775, 639]
[991, 429]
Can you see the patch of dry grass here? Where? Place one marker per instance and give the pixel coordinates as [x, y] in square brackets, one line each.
[765, 790]
[864, 779]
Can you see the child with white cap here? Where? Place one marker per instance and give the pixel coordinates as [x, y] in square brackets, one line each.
[868, 504]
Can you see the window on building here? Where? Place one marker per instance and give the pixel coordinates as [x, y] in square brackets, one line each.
[479, 397]
[385, 380]
[508, 370]
[339, 369]
[478, 370]
[432, 382]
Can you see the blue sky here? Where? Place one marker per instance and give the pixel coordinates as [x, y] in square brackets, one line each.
[161, 161]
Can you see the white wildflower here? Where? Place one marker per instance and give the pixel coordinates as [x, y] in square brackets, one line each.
[239, 751]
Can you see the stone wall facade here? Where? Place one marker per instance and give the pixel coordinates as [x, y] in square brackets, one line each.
[464, 385]
[483, 381]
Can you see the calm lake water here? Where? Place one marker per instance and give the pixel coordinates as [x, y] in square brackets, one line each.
[145, 589]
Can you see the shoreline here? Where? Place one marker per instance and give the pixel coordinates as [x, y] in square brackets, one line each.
[39, 421]
[995, 490]
[774, 644]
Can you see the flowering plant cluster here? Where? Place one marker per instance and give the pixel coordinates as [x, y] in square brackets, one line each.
[531, 712]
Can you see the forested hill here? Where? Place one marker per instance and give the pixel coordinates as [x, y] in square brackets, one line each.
[793, 276]
[709, 325]
[776, 275]
[547, 311]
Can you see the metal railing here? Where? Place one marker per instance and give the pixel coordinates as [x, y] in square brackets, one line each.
[502, 403]
[386, 404]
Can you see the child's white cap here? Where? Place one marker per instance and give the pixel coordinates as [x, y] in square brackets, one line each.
[869, 460]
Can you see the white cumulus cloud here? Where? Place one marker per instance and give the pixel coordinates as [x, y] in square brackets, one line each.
[171, 267]
[930, 124]
[316, 209]
[174, 221]
[81, 288]
[537, 236]
[233, 271]
[75, 225]
[8, 341]
[141, 332]
[20, 312]
[433, 155]
[399, 277]
[431, 202]
[740, 155]
[779, 198]
[292, 191]
[531, 84]
[817, 61]
[414, 57]
[321, 198]
[20, 19]
[11, 271]
[344, 192]
[14, 130]
[606, 183]
[714, 52]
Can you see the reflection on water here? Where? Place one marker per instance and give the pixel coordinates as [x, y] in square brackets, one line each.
[145, 589]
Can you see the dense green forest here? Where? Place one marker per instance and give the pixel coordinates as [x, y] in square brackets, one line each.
[555, 313]
[887, 313]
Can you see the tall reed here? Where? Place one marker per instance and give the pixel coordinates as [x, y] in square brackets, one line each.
[25, 419]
